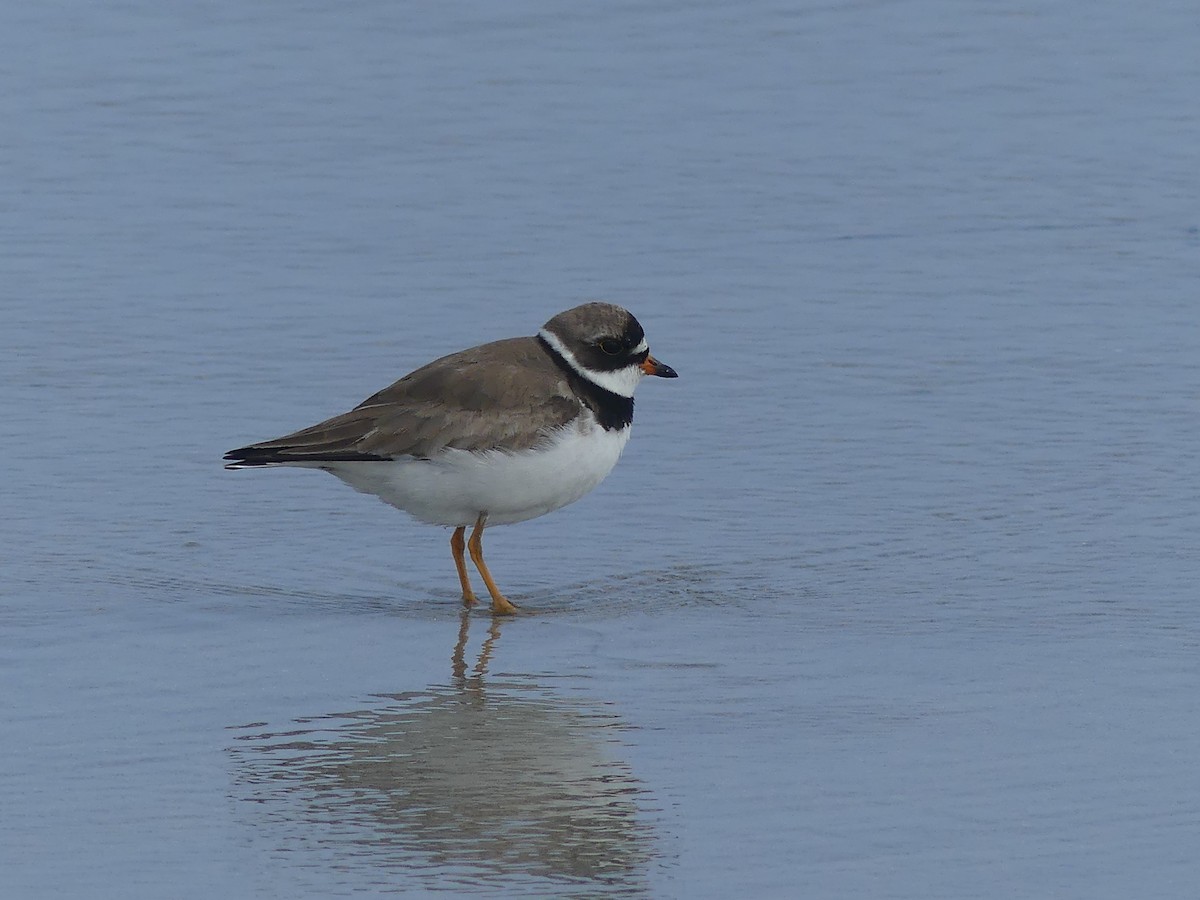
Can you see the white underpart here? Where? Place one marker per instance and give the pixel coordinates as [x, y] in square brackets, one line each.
[621, 381]
[457, 486]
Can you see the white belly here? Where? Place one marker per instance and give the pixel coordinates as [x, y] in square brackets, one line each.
[458, 485]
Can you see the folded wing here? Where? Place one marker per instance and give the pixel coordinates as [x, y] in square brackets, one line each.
[507, 396]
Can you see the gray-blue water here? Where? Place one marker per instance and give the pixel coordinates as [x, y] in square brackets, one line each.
[893, 594]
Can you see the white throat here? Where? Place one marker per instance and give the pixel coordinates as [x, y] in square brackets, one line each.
[620, 381]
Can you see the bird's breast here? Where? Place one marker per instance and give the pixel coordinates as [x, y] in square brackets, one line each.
[455, 486]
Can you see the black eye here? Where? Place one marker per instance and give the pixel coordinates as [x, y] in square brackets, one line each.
[610, 346]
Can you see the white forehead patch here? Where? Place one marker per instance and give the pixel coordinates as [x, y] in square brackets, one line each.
[620, 382]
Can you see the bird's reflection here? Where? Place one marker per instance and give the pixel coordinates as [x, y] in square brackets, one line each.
[479, 781]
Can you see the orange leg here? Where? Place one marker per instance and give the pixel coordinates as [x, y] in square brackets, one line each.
[457, 546]
[500, 604]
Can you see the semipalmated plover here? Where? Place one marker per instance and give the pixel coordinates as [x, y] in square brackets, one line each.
[500, 433]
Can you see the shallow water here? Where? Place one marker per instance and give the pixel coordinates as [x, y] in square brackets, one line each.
[892, 594]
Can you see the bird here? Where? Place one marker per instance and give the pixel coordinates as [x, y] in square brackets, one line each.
[493, 435]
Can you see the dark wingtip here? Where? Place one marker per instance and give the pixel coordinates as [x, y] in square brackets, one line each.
[247, 457]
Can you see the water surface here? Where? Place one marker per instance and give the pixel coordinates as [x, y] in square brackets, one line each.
[892, 595]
